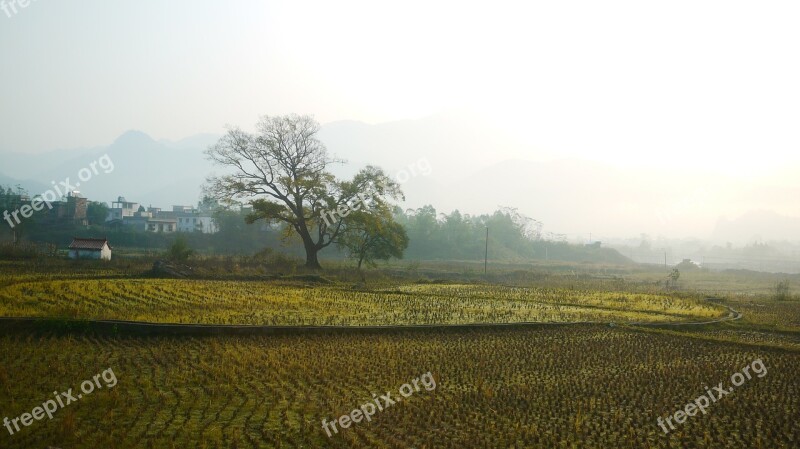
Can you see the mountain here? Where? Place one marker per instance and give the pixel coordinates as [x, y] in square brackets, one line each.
[28, 166]
[27, 184]
[144, 170]
[197, 141]
[453, 143]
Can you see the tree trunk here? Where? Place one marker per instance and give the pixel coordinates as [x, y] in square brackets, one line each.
[311, 256]
[310, 246]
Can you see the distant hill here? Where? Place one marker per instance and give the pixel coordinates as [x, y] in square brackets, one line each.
[454, 144]
[149, 172]
[27, 184]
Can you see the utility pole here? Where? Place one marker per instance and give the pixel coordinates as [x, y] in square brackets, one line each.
[486, 254]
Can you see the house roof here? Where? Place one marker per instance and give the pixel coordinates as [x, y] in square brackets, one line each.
[91, 244]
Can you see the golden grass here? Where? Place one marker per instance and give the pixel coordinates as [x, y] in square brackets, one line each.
[264, 303]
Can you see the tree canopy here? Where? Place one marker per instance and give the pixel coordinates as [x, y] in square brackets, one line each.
[281, 171]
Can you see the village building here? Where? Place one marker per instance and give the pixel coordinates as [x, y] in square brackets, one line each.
[83, 248]
[121, 209]
[73, 210]
[154, 219]
[145, 222]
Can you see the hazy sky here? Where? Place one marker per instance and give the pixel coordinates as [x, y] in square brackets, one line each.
[713, 85]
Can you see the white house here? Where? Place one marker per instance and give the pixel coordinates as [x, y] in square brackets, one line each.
[194, 220]
[121, 209]
[160, 225]
[145, 223]
[89, 249]
[197, 223]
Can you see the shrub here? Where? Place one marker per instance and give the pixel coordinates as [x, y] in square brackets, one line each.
[782, 290]
[179, 251]
[16, 251]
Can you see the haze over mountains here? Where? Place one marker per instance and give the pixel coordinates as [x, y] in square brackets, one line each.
[455, 161]
[145, 171]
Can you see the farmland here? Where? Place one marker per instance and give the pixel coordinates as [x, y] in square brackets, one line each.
[269, 303]
[579, 386]
[566, 386]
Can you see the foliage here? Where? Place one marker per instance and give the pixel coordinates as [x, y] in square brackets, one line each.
[12, 200]
[512, 236]
[370, 235]
[180, 251]
[96, 212]
[275, 261]
[14, 251]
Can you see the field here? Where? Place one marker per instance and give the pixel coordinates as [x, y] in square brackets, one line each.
[578, 386]
[269, 303]
[556, 386]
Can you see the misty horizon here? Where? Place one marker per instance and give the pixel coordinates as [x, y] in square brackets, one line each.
[677, 211]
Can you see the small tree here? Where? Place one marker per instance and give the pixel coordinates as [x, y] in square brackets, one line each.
[97, 212]
[11, 201]
[782, 290]
[370, 235]
[180, 251]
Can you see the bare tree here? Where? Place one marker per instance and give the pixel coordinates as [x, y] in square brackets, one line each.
[281, 171]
